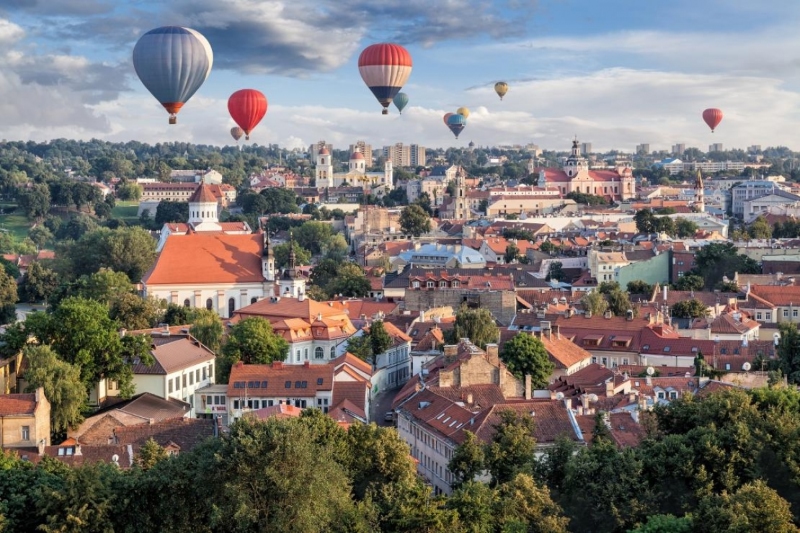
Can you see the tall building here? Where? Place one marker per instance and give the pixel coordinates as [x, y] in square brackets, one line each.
[461, 206]
[405, 155]
[643, 148]
[755, 148]
[586, 148]
[364, 149]
[417, 155]
[715, 147]
[315, 148]
[678, 149]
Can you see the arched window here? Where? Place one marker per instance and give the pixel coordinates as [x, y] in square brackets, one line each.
[231, 306]
[333, 352]
[297, 356]
[186, 302]
[209, 304]
[253, 300]
[319, 353]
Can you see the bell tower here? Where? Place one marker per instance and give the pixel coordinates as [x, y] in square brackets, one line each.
[699, 195]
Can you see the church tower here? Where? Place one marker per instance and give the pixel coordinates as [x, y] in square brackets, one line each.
[699, 195]
[388, 175]
[203, 208]
[292, 283]
[324, 168]
[575, 162]
[461, 209]
[357, 163]
[267, 258]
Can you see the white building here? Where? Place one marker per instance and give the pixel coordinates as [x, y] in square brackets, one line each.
[356, 175]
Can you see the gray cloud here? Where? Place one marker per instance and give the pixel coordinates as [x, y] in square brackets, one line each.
[51, 8]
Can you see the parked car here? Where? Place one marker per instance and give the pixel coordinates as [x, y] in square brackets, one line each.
[389, 416]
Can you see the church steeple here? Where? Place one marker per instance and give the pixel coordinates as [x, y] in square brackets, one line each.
[699, 195]
[267, 257]
[292, 282]
[292, 256]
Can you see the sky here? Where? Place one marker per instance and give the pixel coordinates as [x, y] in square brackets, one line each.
[615, 73]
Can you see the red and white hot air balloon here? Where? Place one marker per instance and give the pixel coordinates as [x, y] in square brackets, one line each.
[712, 116]
[385, 68]
[247, 107]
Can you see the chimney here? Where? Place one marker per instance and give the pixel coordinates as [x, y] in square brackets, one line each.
[450, 350]
[610, 387]
[493, 353]
[469, 399]
[78, 449]
[307, 364]
[649, 381]
[665, 293]
[41, 444]
[527, 386]
[580, 410]
[277, 364]
[585, 402]
[122, 332]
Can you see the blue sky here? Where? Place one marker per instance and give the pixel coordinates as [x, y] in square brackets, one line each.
[614, 72]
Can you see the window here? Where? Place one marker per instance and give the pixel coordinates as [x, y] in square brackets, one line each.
[209, 304]
[415, 284]
[661, 395]
[333, 352]
[26, 433]
[319, 381]
[758, 316]
[430, 284]
[197, 375]
[204, 373]
[211, 371]
[191, 378]
[253, 300]
[297, 356]
[184, 381]
[785, 312]
[673, 395]
[455, 283]
[169, 383]
[443, 284]
[186, 302]
[305, 354]
[794, 313]
[231, 306]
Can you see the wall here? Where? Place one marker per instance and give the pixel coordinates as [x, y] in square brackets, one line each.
[654, 270]
[502, 304]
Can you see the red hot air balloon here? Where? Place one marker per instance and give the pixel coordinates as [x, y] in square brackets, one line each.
[385, 68]
[446, 116]
[247, 107]
[712, 116]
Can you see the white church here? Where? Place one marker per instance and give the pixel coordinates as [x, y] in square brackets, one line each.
[356, 174]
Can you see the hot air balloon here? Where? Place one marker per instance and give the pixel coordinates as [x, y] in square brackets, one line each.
[501, 88]
[712, 116]
[385, 68]
[400, 101]
[463, 111]
[456, 123]
[247, 107]
[172, 63]
[236, 133]
[446, 116]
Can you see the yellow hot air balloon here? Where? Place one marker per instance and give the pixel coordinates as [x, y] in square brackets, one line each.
[463, 111]
[501, 88]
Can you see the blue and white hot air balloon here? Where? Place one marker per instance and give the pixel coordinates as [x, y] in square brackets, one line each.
[172, 62]
[400, 101]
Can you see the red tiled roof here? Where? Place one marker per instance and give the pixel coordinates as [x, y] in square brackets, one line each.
[272, 380]
[203, 194]
[17, 404]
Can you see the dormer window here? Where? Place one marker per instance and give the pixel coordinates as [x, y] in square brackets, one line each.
[430, 284]
[443, 284]
[415, 284]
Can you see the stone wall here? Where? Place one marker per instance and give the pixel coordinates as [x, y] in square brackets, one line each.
[502, 304]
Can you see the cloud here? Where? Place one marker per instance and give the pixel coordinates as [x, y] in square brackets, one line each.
[51, 8]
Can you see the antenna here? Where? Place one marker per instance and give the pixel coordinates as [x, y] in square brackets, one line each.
[650, 370]
[559, 396]
[746, 367]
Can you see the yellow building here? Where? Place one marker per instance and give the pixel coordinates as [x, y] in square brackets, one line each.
[24, 420]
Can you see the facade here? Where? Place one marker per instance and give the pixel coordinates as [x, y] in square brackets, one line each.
[24, 420]
[208, 176]
[755, 207]
[392, 368]
[356, 175]
[575, 176]
[154, 193]
[750, 190]
[365, 150]
[440, 256]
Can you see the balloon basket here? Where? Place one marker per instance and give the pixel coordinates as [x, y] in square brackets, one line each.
[173, 119]
[385, 111]
[246, 137]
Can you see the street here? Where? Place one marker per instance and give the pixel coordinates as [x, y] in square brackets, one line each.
[381, 403]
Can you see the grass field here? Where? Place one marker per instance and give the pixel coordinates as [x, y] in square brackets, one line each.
[126, 211]
[16, 224]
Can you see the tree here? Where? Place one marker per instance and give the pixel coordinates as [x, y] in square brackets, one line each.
[414, 220]
[685, 228]
[690, 282]
[467, 461]
[350, 281]
[760, 229]
[594, 302]
[361, 347]
[131, 250]
[62, 386]
[424, 201]
[40, 235]
[302, 256]
[512, 253]
[665, 225]
[280, 200]
[525, 355]
[477, 325]
[717, 260]
[645, 221]
[150, 454]
[34, 201]
[619, 303]
[37, 284]
[523, 505]
[8, 297]
[77, 226]
[379, 339]
[253, 342]
[178, 315]
[171, 211]
[324, 273]
[475, 504]
[753, 507]
[556, 272]
[313, 235]
[639, 287]
[692, 308]
[129, 191]
[512, 447]
[668, 523]
[789, 351]
[207, 328]
[132, 311]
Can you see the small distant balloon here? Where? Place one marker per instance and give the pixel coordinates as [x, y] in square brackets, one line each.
[172, 63]
[456, 123]
[400, 101]
[247, 107]
[712, 116]
[501, 88]
[463, 111]
[236, 133]
[385, 68]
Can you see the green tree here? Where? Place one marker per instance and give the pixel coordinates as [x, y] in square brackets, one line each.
[207, 328]
[619, 303]
[639, 287]
[281, 251]
[150, 454]
[62, 386]
[685, 228]
[523, 505]
[129, 191]
[690, 282]
[753, 507]
[171, 211]
[556, 271]
[475, 504]
[179, 315]
[280, 200]
[324, 273]
[645, 221]
[789, 351]
[467, 461]
[361, 347]
[511, 450]
[692, 308]
[313, 235]
[525, 355]
[40, 235]
[512, 253]
[668, 523]
[414, 220]
[594, 302]
[760, 229]
[717, 260]
[665, 225]
[350, 281]
[253, 342]
[132, 311]
[477, 325]
[34, 201]
[131, 250]
[37, 284]
[379, 339]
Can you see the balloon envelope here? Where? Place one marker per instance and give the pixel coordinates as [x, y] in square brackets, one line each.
[237, 132]
[172, 63]
[463, 111]
[385, 68]
[712, 116]
[446, 116]
[247, 107]
[400, 101]
[456, 123]
[501, 88]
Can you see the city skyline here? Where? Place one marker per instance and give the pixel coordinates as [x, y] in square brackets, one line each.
[616, 75]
